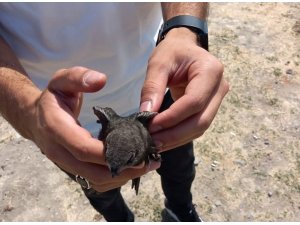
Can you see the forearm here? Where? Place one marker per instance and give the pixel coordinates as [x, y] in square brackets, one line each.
[197, 9]
[17, 93]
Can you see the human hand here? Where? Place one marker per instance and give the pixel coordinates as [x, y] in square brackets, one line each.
[195, 79]
[57, 132]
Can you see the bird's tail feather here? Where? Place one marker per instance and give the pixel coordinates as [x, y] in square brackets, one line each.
[136, 184]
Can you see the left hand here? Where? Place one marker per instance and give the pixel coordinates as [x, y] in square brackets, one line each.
[195, 79]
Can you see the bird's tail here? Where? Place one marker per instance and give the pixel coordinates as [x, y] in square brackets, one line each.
[136, 184]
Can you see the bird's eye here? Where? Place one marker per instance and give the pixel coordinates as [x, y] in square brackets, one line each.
[130, 160]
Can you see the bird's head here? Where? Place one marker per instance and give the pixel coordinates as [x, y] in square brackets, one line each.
[121, 153]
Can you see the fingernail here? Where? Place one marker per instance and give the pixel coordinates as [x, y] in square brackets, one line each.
[91, 78]
[146, 106]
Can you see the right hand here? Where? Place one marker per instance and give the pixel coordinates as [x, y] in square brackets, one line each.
[57, 131]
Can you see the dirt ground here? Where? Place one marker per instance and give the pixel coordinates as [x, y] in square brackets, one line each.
[248, 161]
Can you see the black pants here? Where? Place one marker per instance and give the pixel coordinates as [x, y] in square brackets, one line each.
[177, 173]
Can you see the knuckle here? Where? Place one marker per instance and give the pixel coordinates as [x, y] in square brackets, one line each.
[215, 66]
[67, 73]
[46, 127]
[60, 71]
[204, 124]
[169, 117]
[197, 134]
[195, 103]
[156, 64]
[226, 86]
[219, 67]
[153, 60]
[149, 87]
[78, 69]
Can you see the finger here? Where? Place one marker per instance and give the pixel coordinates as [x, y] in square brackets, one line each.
[62, 156]
[84, 147]
[96, 174]
[141, 165]
[132, 173]
[100, 182]
[108, 187]
[154, 87]
[99, 177]
[198, 93]
[77, 106]
[126, 175]
[192, 127]
[78, 141]
[76, 79]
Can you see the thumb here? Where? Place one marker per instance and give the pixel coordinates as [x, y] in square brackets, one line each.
[153, 90]
[77, 79]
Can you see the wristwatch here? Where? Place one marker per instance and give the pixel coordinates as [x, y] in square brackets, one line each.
[198, 26]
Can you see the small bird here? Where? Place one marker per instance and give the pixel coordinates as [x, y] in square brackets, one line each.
[126, 140]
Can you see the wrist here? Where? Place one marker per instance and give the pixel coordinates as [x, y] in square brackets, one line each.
[18, 97]
[182, 33]
[28, 114]
[24, 116]
[191, 23]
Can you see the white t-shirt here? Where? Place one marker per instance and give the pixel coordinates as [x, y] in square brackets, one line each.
[114, 38]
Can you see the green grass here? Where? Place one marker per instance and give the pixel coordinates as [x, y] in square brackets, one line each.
[277, 72]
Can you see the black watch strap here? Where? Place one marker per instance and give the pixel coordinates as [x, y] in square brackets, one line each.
[193, 23]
